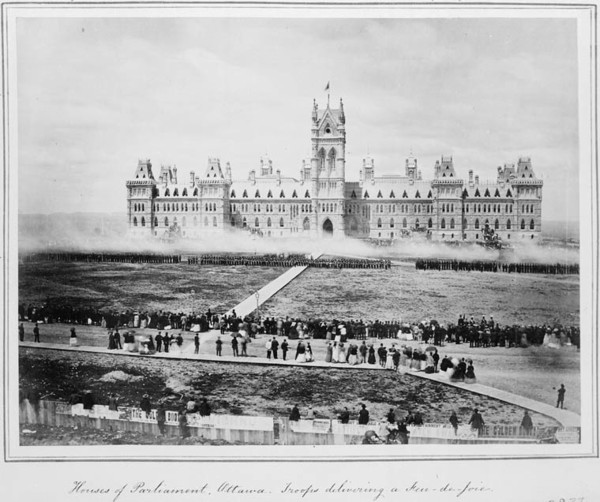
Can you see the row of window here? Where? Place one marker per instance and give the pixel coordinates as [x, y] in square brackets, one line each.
[451, 224]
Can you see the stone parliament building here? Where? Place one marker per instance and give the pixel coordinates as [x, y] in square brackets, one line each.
[321, 202]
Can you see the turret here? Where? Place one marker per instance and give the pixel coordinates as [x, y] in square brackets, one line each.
[368, 170]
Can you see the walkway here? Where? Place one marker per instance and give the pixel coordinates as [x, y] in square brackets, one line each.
[564, 417]
[247, 306]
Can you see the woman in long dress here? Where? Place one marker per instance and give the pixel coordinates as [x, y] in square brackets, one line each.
[309, 353]
[329, 353]
[342, 356]
[111, 340]
[352, 354]
[371, 358]
[389, 362]
[301, 352]
[470, 374]
[335, 357]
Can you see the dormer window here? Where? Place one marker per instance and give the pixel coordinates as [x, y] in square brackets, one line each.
[327, 129]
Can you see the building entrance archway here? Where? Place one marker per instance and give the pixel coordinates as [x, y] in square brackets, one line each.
[327, 228]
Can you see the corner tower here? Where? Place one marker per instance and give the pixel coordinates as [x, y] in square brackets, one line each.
[140, 195]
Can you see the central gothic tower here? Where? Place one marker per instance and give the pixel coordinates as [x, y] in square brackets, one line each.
[328, 166]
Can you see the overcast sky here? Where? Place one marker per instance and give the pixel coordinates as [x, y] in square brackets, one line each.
[94, 95]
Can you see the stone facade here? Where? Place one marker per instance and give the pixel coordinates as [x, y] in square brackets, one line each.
[322, 203]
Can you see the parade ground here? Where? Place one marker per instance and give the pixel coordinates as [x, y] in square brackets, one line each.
[509, 380]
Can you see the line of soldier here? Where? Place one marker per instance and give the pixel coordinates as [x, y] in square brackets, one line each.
[268, 260]
[103, 257]
[497, 266]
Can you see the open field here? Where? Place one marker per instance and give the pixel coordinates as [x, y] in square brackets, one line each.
[152, 287]
[400, 293]
[413, 295]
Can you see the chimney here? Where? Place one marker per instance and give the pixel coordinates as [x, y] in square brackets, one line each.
[175, 175]
[192, 178]
[470, 176]
[252, 176]
[278, 173]
[228, 172]
[477, 180]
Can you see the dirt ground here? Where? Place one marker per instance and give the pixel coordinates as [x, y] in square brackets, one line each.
[255, 390]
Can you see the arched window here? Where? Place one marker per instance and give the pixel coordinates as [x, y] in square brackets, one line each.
[477, 224]
[281, 222]
[430, 223]
[331, 159]
[531, 225]
[496, 224]
[379, 223]
[155, 221]
[167, 193]
[305, 224]
[392, 223]
[214, 221]
[452, 223]
[443, 224]
[465, 226]
[508, 224]
[134, 221]
[522, 224]
[269, 222]
[166, 221]
[206, 206]
[244, 222]
[256, 223]
[405, 223]
[143, 221]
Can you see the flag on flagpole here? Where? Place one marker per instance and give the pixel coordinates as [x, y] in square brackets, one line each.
[327, 86]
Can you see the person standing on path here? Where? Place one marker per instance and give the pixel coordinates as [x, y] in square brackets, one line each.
[234, 346]
[21, 333]
[269, 347]
[117, 337]
[219, 344]
[196, 343]
[561, 396]
[284, 349]
[158, 338]
[36, 333]
[274, 347]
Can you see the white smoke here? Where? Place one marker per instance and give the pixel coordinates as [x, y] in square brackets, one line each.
[109, 233]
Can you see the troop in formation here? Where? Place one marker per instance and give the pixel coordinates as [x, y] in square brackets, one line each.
[103, 257]
[268, 260]
[497, 266]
